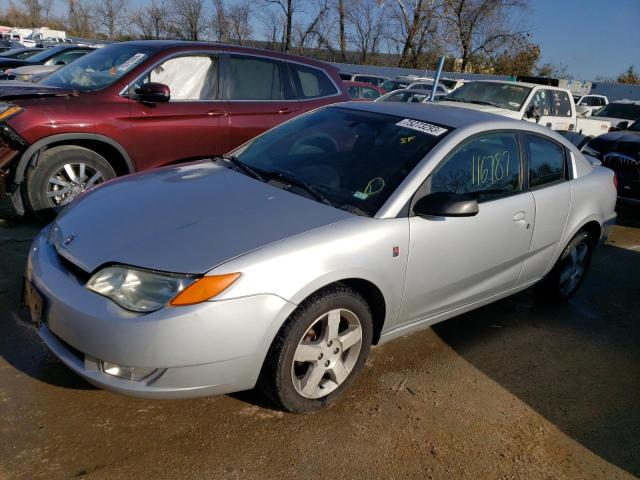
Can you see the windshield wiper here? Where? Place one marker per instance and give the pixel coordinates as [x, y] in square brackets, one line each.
[481, 102]
[232, 159]
[291, 179]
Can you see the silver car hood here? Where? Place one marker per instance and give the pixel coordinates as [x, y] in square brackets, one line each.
[185, 219]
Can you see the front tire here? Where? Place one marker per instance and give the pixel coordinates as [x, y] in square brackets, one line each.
[319, 351]
[566, 276]
[61, 174]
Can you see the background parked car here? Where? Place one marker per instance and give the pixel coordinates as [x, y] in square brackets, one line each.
[586, 104]
[620, 113]
[620, 151]
[550, 106]
[376, 80]
[31, 73]
[365, 92]
[408, 96]
[428, 85]
[391, 85]
[139, 105]
[47, 56]
[20, 53]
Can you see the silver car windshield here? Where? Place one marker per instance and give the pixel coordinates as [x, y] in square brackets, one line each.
[355, 159]
[502, 95]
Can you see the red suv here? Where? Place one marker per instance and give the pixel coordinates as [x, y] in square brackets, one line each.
[138, 105]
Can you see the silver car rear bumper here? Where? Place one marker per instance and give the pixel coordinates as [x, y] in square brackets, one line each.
[212, 348]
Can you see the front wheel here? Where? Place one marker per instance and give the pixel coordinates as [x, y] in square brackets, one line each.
[562, 282]
[61, 174]
[319, 351]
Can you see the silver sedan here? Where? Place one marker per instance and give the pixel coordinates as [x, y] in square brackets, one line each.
[281, 264]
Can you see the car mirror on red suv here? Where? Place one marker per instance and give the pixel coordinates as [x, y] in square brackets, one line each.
[153, 92]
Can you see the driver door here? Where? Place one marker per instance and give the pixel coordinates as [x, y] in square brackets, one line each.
[192, 125]
[455, 261]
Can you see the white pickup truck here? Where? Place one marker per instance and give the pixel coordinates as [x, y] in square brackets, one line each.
[550, 106]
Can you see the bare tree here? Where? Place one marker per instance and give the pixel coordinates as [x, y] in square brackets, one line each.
[271, 27]
[367, 26]
[220, 23]
[238, 21]
[413, 30]
[33, 11]
[479, 26]
[288, 8]
[342, 39]
[189, 18]
[79, 18]
[109, 15]
[46, 5]
[317, 28]
[151, 21]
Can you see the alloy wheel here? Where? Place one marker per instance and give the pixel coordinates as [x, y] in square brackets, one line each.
[70, 180]
[574, 268]
[326, 354]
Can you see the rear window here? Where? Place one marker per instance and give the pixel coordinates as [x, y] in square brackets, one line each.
[311, 82]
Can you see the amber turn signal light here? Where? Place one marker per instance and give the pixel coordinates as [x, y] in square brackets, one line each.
[204, 288]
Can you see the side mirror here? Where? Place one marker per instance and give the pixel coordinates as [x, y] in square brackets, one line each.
[622, 126]
[443, 204]
[533, 112]
[153, 92]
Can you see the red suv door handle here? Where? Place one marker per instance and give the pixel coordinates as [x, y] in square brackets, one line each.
[284, 110]
[217, 113]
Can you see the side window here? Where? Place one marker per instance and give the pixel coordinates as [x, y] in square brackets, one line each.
[540, 101]
[255, 78]
[311, 82]
[487, 167]
[369, 93]
[192, 77]
[546, 161]
[601, 102]
[353, 92]
[560, 105]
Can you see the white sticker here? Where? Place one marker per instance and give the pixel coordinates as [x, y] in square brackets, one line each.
[422, 127]
[137, 58]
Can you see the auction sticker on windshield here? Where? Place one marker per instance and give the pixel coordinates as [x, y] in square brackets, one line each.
[422, 127]
[134, 60]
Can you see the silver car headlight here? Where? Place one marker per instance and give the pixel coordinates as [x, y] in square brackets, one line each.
[136, 289]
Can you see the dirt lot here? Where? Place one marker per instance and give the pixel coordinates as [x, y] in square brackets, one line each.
[513, 390]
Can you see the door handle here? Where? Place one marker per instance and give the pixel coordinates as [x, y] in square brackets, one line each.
[520, 218]
[217, 113]
[284, 110]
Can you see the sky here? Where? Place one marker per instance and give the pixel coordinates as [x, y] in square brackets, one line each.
[591, 37]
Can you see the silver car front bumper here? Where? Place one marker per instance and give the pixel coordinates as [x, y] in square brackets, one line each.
[211, 348]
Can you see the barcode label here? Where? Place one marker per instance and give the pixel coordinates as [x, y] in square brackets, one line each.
[422, 127]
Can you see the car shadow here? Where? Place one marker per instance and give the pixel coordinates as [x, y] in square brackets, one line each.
[576, 364]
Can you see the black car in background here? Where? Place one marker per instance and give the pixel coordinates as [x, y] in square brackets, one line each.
[620, 151]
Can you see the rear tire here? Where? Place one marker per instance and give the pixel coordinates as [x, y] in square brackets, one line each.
[319, 351]
[61, 174]
[566, 276]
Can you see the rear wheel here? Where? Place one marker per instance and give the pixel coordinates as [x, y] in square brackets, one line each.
[562, 282]
[319, 351]
[61, 174]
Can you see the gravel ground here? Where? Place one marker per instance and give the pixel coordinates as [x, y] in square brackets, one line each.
[513, 390]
